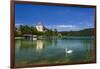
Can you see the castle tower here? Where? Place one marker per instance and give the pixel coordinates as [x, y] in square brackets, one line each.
[39, 27]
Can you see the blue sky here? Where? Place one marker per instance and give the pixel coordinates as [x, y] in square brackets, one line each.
[55, 17]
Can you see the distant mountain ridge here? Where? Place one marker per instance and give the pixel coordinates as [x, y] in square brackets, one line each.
[84, 32]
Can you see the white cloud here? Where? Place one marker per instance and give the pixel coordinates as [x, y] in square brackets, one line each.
[66, 26]
[18, 24]
[60, 26]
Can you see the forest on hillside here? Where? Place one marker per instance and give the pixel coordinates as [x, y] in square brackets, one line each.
[48, 32]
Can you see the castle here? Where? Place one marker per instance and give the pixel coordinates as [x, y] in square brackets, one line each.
[40, 27]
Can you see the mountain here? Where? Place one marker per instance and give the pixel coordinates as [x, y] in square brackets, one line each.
[84, 32]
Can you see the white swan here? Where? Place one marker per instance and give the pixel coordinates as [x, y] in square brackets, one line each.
[68, 51]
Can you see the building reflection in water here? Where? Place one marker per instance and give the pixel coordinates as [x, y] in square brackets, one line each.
[39, 45]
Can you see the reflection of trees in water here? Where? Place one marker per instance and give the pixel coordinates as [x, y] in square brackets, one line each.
[54, 42]
[25, 44]
[17, 44]
[88, 49]
[50, 42]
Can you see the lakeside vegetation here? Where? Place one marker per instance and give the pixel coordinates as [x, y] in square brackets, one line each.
[25, 29]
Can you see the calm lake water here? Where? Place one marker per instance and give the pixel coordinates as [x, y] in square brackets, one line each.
[53, 51]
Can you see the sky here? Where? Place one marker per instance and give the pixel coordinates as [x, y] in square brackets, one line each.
[62, 18]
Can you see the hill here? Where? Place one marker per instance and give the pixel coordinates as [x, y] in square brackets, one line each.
[85, 32]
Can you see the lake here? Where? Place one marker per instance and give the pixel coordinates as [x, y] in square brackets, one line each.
[54, 51]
